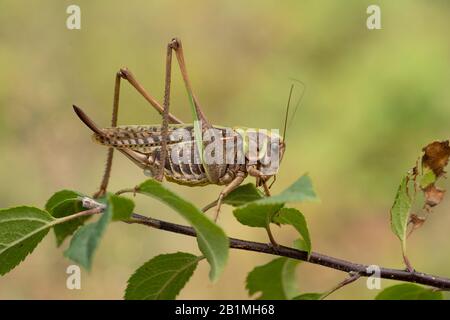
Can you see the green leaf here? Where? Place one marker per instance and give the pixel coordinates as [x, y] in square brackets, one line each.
[85, 241]
[296, 219]
[400, 212]
[409, 291]
[301, 244]
[122, 207]
[259, 212]
[301, 190]
[65, 203]
[66, 229]
[162, 277]
[255, 214]
[59, 197]
[275, 280]
[21, 230]
[242, 195]
[428, 177]
[212, 241]
[308, 296]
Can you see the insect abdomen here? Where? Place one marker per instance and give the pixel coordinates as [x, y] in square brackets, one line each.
[134, 137]
[185, 173]
[183, 164]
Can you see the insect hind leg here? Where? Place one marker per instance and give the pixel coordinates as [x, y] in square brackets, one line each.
[126, 74]
[109, 158]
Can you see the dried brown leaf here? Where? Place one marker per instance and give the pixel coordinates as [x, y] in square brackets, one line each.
[433, 195]
[436, 156]
[416, 222]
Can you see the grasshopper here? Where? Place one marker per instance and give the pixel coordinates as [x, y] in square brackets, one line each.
[157, 148]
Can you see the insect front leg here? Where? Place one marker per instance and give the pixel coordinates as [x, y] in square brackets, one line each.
[261, 179]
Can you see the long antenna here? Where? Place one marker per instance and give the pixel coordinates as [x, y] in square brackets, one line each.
[287, 112]
[299, 100]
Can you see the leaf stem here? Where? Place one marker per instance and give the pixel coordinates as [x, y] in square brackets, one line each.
[127, 190]
[409, 267]
[78, 214]
[270, 234]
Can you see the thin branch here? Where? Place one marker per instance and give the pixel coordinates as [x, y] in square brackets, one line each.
[315, 258]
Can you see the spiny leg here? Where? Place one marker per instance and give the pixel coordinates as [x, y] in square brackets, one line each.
[128, 75]
[209, 206]
[178, 48]
[167, 116]
[165, 120]
[214, 203]
[236, 182]
[261, 180]
[104, 184]
[266, 188]
[213, 171]
[269, 232]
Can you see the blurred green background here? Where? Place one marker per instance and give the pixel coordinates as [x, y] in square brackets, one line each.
[374, 99]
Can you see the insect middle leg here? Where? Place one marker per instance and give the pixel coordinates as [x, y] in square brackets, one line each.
[236, 182]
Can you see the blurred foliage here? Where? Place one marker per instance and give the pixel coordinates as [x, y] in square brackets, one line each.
[373, 99]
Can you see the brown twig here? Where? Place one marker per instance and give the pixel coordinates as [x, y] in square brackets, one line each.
[361, 270]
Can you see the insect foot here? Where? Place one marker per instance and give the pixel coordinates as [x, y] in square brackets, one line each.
[125, 73]
[175, 43]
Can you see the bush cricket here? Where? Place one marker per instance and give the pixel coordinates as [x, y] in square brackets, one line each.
[158, 148]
